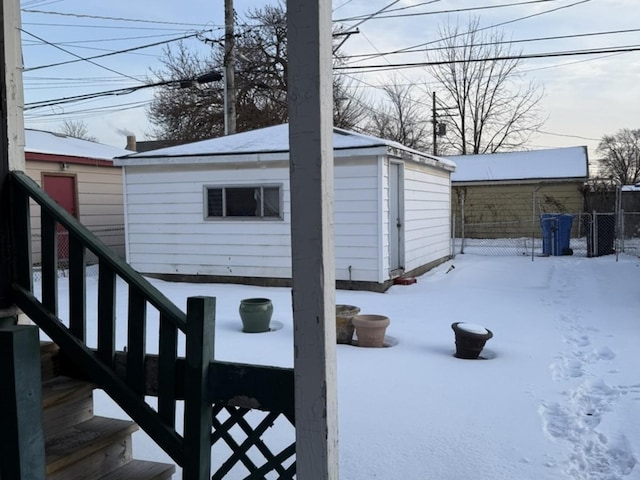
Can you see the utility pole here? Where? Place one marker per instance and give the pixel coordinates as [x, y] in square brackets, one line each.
[439, 129]
[435, 124]
[229, 69]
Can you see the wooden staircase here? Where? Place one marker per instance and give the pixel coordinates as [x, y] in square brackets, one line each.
[80, 445]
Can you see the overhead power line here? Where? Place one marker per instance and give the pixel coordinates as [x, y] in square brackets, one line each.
[78, 56]
[488, 27]
[625, 49]
[127, 50]
[105, 27]
[568, 136]
[502, 42]
[119, 19]
[440, 12]
[109, 40]
[184, 83]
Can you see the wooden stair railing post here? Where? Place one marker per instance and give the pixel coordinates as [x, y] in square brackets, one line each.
[197, 410]
[77, 288]
[106, 313]
[49, 261]
[21, 218]
[22, 454]
[136, 338]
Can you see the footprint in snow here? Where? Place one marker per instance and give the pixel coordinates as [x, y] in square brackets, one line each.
[593, 455]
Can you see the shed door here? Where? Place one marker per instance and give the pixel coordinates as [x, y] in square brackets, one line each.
[396, 220]
[62, 188]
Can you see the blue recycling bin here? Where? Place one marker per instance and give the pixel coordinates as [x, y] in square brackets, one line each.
[556, 233]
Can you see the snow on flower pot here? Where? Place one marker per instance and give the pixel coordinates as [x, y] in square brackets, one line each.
[370, 329]
[255, 314]
[470, 339]
[344, 325]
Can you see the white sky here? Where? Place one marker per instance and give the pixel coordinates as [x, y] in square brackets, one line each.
[557, 398]
[586, 96]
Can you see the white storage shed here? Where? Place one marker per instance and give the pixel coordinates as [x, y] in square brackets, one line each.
[219, 210]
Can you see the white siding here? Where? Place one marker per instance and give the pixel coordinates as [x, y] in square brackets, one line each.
[356, 216]
[167, 232]
[427, 207]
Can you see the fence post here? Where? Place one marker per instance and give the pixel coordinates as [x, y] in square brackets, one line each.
[462, 221]
[197, 410]
[22, 455]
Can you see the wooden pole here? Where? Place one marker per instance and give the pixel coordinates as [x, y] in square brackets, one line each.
[229, 69]
[197, 410]
[434, 121]
[11, 136]
[22, 454]
[313, 263]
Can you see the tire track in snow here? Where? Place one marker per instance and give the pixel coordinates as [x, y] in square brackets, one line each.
[575, 420]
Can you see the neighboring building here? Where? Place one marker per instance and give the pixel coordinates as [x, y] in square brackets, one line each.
[79, 175]
[219, 210]
[502, 194]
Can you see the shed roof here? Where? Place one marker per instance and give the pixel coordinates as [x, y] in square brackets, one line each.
[267, 143]
[555, 163]
[39, 141]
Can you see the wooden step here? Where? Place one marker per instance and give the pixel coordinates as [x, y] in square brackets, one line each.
[89, 449]
[142, 470]
[49, 360]
[66, 402]
[80, 446]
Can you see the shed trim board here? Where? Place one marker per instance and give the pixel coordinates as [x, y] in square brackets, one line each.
[265, 157]
[55, 158]
[381, 219]
[167, 234]
[527, 181]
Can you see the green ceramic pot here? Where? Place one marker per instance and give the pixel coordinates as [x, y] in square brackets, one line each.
[255, 314]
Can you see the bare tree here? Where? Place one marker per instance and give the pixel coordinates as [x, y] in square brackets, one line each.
[478, 71]
[186, 114]
[261, 84]
[620, 156]
[77, 129]
[401, 117]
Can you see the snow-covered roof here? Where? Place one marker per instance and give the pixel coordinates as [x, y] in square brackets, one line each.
[265, 141]
[555, 163]
[38, 141]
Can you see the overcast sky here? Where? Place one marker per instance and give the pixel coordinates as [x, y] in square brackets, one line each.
[585, 96]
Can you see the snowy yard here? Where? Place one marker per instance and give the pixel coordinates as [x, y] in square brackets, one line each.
[558, 396]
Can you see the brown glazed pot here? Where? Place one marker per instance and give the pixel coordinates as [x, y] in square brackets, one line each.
[370, 329]
[470, 339]
[344, 326]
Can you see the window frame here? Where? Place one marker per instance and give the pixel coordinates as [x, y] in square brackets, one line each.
[243, 218]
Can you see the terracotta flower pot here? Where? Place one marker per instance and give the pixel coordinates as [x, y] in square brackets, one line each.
[344, 326]
[255, 314]
[370, 329]
[470, 339]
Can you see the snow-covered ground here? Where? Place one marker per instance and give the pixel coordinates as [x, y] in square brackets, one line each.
[557, 397]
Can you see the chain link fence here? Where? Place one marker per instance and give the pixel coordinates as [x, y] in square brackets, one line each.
[111, 237]
[590, 235]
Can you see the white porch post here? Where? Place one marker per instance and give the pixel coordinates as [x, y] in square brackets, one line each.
[11, 136]
[311, 177]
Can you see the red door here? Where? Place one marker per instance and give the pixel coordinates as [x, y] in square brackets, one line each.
[62, 188]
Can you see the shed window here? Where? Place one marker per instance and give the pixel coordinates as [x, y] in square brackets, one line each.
[245, 201]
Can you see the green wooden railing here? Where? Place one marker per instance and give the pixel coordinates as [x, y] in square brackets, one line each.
[208, 387]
